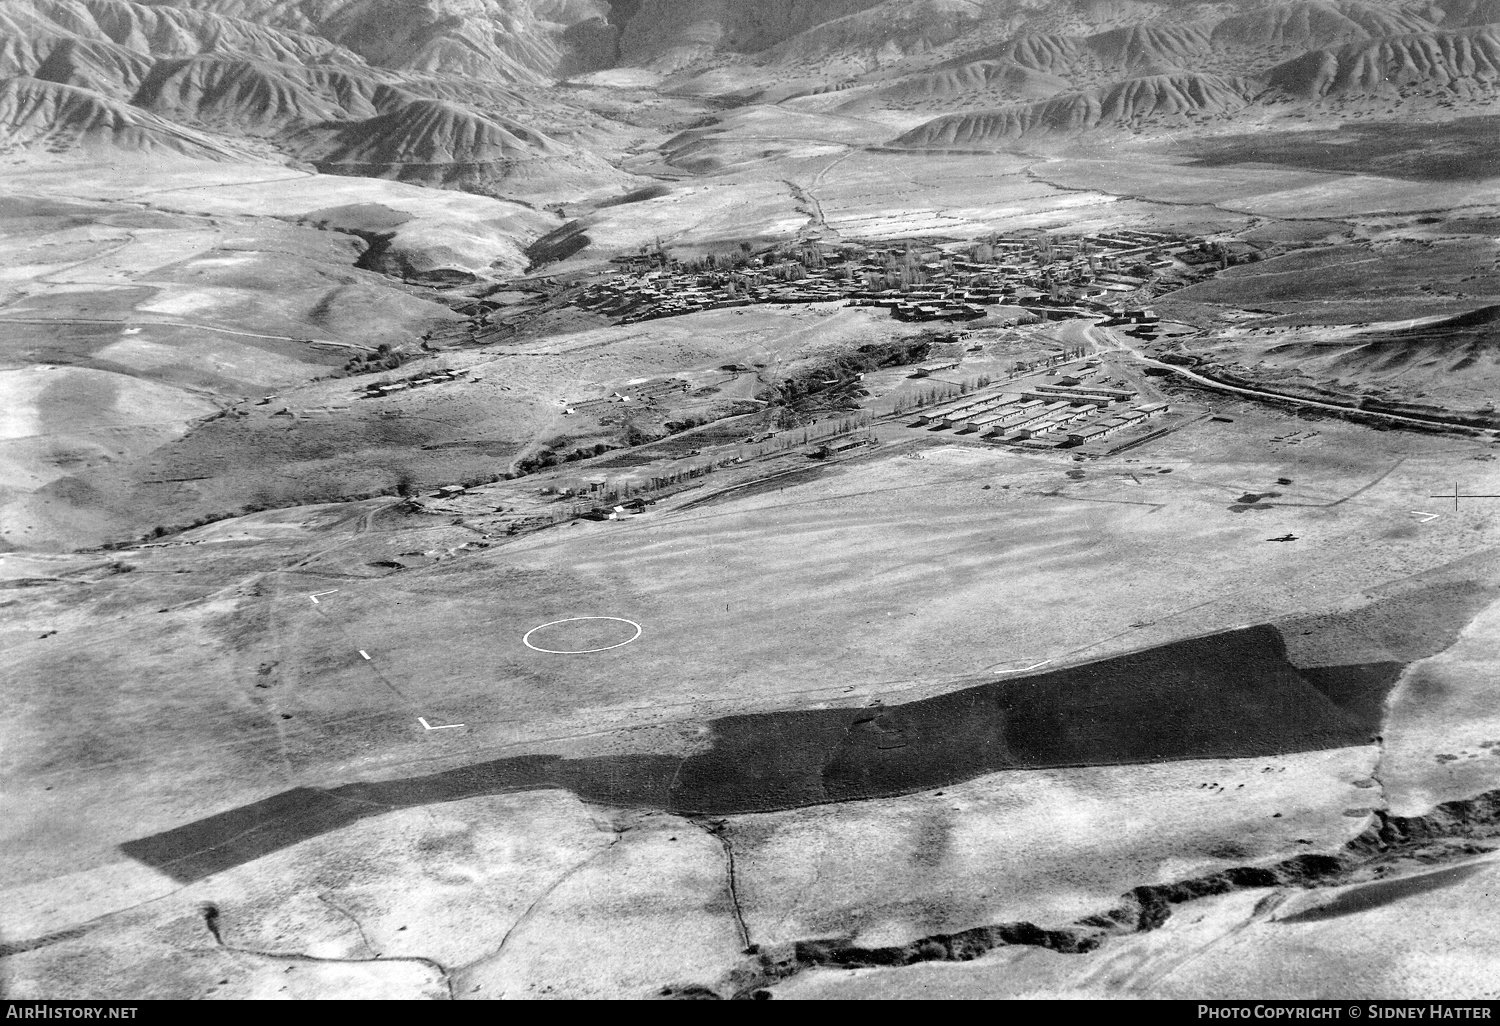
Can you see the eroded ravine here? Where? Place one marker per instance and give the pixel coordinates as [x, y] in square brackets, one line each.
[1382, 857]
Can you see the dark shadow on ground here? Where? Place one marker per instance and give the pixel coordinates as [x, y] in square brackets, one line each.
[1377, 895]
[1229, 695]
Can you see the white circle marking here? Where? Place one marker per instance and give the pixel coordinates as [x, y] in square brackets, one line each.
[526, 640]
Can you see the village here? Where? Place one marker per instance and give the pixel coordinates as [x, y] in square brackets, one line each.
[1049, 277]
[620, 452]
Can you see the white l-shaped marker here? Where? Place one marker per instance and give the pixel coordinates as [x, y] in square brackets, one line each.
[445, 726]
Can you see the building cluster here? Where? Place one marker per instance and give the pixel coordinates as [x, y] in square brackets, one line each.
[1053, 276]
[434, 377]
[1060, 415]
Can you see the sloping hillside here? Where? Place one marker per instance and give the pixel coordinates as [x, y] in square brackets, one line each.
[431, 132]
[445, 145]
[1313, 23]
[1465, 343]
[26, 38]
[495, 40]
[990, 83]
[196, 76]
[1180, 46]
[1132, 102]
[251, 96]
[1465, 62]
[168, 31]
[105, 68]
[34, 113]
[879, 36]
[459, 93]
[673, 31]
[1457, 13]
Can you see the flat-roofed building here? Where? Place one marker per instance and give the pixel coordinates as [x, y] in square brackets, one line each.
[1040, 427]
[928, 369]
[933, 414]
[989, 421]
[1091, 400]
[970, 411]
[1072, 413]
[1087, 434]
[971, 403]
[936, 413]
[1013, 424]
[1119, 394]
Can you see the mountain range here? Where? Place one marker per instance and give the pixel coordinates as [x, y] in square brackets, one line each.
[512, 98]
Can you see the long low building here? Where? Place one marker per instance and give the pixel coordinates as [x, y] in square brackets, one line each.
[1071, 414]
[968, 413]
[1118, 394]
[1021, 423]
[991, 419]
[1058, 418]
[935, 413]
[1103, 429]
[1040, 427]
[1088, 433]
[1093, 401]
[970, 403]
[928, 369]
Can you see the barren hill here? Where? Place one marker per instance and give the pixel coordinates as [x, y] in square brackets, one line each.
[878, 36]
[446, 145]
[1124, 103]
[1468, 342]
[1465, 62]
[1201, 38]
[433, 132]
[166, 31]
[1456, 13]
[1314, 23]
[252, 95]
[673, 32]
[106, 68]
[497, 40]
[57, 116]
[462, 93]
[975, 81]
[337, 81]
[195, 76]
[1152, 45]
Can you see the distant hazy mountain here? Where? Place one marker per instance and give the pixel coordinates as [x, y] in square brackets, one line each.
[460, 93]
